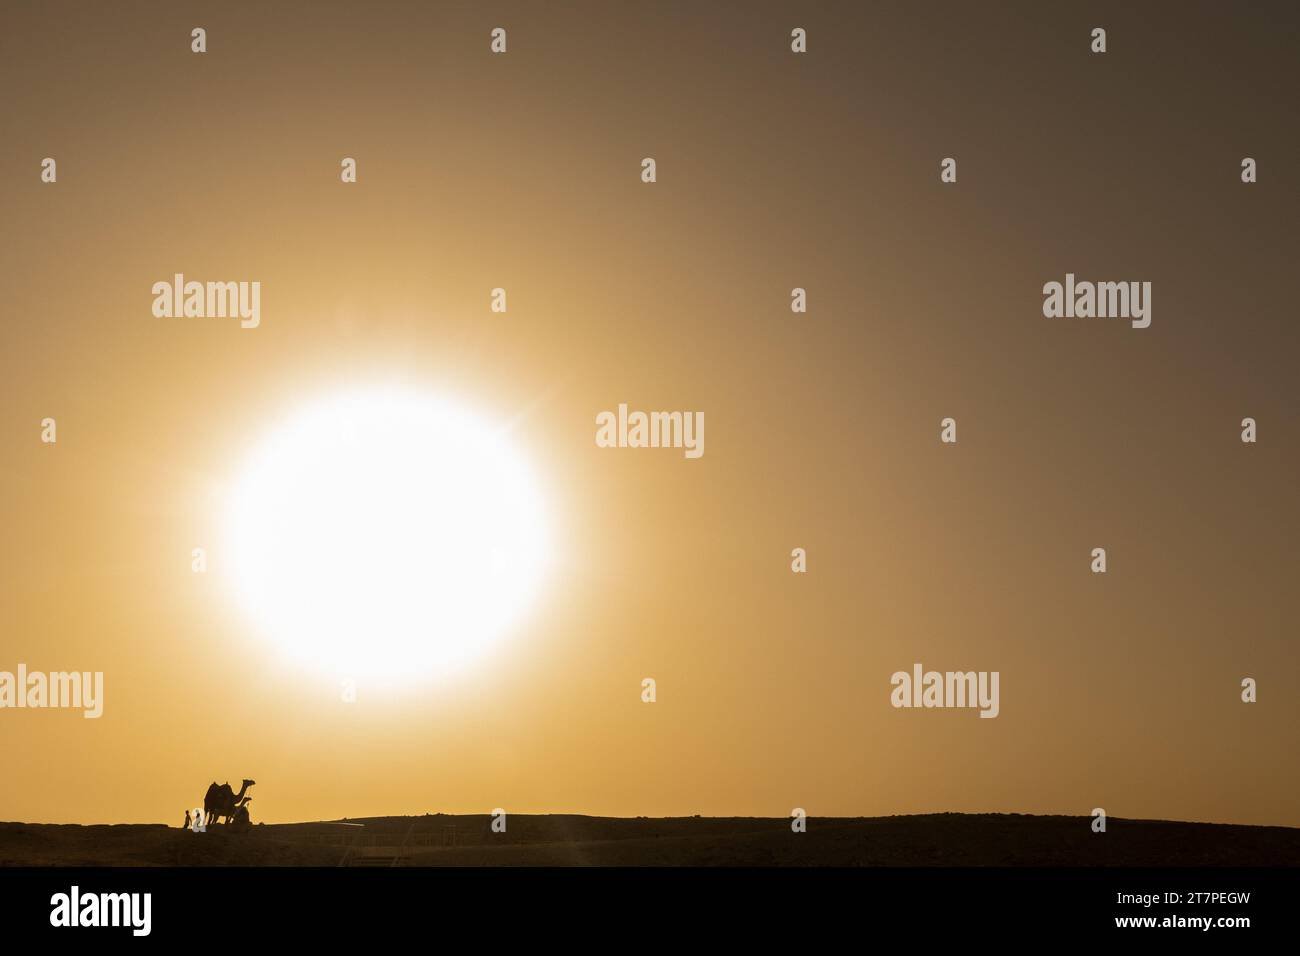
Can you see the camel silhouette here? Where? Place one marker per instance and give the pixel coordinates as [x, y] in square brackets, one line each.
[221, 801]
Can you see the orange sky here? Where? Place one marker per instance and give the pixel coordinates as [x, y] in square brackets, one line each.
[774, 171]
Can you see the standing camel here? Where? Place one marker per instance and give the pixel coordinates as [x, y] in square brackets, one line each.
[221, 801]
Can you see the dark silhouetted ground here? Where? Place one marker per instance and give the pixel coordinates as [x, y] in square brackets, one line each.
[946, 839]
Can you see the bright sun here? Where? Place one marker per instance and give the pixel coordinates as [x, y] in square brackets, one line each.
[386, 533]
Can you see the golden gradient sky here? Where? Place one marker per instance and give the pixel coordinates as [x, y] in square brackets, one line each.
[774, 171]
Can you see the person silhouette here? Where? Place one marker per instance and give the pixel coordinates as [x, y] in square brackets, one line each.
[187, 820]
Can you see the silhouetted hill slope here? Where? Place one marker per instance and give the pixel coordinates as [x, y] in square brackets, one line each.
[570, 840]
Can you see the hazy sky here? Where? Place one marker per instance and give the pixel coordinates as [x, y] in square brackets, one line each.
[775, 170]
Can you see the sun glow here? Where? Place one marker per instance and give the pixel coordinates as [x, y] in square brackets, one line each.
[387, 534]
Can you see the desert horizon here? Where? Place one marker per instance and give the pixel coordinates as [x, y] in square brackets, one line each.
[566, 839]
